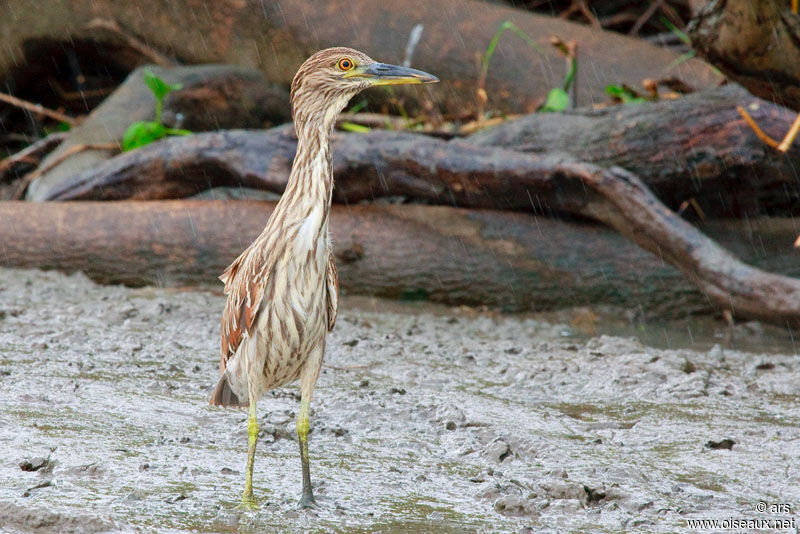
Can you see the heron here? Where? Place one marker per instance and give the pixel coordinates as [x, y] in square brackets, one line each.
[283, 290]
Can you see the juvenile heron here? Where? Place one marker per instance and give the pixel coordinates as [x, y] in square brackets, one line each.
[283, 289]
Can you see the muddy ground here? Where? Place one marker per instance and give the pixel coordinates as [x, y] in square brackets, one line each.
[430, 420]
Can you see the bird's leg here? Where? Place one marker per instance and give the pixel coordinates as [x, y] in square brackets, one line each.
[307, 499]
[248, 499]
[307, 380]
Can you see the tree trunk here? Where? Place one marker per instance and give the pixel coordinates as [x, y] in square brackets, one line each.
[694, 149]
[510, 261]
[276, 37]
[754, 42]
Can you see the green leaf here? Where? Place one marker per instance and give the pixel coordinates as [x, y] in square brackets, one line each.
[557, 100]
[174, 131]
[623, 94]
[159, 87]
[506, 25]
[682, 59]
[60, 127]
[570, 76]
[676, 31]
[142, 133]
[352, 127]
[358, 106]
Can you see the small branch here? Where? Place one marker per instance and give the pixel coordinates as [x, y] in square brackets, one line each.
[133, 42]
[413, 41]
[631, 208]
[649, 12]
[38, 109]
[584, 8]
[759, 133]
[791, 135]
[33, 152]
[787, 141]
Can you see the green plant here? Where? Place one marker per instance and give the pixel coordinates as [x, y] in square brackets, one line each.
[624, 94]
[558, 97]
[348, 126]
[507, 25]
[353, 127]
[681, 35]
[358, 106]
[684, 38]
[60, 127]
[487, 58]
[141, 133]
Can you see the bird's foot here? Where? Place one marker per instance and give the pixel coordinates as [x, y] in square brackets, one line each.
[307, 501]
[249, 503]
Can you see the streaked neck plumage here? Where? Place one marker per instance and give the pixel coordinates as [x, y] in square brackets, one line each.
[310, 185]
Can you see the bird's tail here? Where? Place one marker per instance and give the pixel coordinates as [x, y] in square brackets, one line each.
[223, 395]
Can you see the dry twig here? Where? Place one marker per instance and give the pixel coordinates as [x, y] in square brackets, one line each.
[137, 44]
[632, 209]
[649, 12]
[38, 109]
[784, 144]
[33, 152]
[584, 9]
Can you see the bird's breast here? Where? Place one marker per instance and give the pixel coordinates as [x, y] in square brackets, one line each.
[310, 231]
[294, 319]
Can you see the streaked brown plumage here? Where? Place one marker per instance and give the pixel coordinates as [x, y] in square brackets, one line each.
[283, 289]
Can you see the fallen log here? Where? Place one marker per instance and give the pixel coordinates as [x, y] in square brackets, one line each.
[275, 38]
[505, 260]
[694, 149]
[754, 42]
[636, 213]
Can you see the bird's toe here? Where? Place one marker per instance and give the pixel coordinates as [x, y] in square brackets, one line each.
[248, 503]
[307, 502]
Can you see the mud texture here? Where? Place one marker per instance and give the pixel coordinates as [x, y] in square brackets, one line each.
[431, 420]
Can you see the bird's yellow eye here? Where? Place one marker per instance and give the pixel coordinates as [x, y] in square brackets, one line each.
[345, 64]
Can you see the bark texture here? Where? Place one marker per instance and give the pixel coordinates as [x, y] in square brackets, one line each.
[754, 42]
[694, 149]
[276, 37]
[636, 213]
[511, 261]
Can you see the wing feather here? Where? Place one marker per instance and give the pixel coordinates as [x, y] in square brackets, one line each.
[332, 281]
[245, 280]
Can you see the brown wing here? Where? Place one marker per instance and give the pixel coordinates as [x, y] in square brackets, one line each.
[244, 280]
[332, 281]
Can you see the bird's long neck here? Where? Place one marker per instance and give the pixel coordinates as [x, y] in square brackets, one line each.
[311, 178]
[305, 204]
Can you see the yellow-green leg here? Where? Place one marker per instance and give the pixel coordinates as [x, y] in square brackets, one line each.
[248, 500]
[307, 499]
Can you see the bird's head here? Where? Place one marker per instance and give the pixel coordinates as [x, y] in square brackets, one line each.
[330, 78]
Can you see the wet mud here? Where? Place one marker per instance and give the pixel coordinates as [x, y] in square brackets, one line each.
[431, 421]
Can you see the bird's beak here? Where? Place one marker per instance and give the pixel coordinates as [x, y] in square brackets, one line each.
[385, 74]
